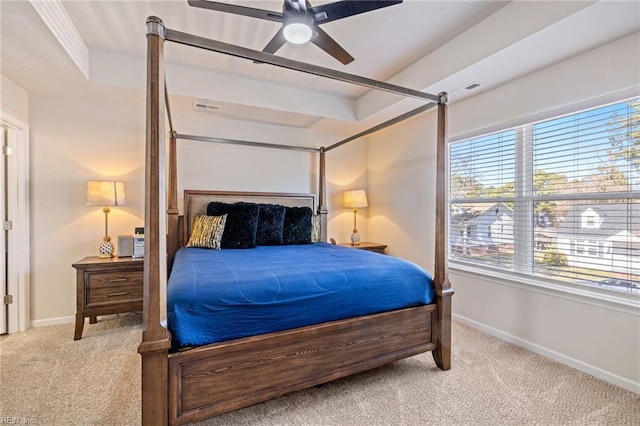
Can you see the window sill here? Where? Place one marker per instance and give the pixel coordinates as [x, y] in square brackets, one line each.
[628, 303]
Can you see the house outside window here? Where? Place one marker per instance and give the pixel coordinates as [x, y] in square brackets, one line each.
[590, 219]
[556, 200]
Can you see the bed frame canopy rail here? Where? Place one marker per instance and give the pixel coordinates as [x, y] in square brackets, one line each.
[165, 376]
[176, 227]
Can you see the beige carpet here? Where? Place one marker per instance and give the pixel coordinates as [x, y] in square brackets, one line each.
[49, 379]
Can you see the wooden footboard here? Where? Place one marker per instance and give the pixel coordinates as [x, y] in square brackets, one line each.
[222, 377]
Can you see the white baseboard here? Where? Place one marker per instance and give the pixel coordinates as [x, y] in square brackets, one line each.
[556, 356]
[53, 321]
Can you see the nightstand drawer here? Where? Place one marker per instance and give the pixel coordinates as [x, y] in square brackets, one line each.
[106, 286]
[113, 287]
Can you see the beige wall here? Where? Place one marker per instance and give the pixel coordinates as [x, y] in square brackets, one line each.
[75, 139]
[214, 166]
[600, 338]
[13, 100]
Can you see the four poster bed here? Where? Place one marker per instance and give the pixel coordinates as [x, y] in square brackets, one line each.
[209, 365]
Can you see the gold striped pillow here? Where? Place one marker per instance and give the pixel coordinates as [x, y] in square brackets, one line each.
[315, 228]
[207, 231]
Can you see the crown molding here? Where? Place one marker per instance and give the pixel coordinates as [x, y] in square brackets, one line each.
[56, 18]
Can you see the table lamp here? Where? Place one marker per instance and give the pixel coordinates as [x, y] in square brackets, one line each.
[354, 200]
[105, 194]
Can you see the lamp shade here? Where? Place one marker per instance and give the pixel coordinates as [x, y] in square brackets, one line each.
[105, 193]
[355, 199]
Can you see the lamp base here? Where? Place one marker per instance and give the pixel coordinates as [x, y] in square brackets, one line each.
[355, 239]
[106, 249]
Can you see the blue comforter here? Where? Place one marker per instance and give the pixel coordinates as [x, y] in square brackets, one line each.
[217, 295]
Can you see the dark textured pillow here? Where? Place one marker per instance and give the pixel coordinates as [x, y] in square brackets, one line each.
[270, 225]
[241, 224]
[297, 225]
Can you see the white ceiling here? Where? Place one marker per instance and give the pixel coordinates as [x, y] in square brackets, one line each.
[54, 46]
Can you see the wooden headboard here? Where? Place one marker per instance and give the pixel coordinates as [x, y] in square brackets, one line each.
[196, 202]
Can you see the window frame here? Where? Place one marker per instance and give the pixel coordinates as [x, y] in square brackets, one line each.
[523, 273]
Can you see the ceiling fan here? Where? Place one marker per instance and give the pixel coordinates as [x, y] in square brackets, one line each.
[301, 21]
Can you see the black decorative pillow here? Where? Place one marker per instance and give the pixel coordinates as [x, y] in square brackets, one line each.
[241, 224]
[297, 225]
[270, 225]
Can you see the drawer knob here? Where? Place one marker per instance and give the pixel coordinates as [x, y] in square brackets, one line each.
[121, 293]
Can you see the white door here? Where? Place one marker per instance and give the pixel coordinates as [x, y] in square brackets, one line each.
[14, 224]
[3, 233]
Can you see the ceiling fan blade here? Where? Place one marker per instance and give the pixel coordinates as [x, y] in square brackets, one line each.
[276, 42]
[329, 45]
[238, 10]
[342, 9]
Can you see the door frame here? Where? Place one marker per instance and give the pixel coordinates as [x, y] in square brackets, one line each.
[19, 253]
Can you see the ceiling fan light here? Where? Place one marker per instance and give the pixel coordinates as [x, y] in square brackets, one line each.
[297, 30]
[297, 33]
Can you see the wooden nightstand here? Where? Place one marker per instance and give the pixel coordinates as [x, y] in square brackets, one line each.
[376, 247]
[106, 286]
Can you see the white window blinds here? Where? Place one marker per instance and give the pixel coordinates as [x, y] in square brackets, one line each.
[482, 189]
[558, 199]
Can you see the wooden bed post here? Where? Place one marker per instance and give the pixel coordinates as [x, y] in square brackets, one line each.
[442, 354]
[155, 338]
[174, 236]
[322, 195]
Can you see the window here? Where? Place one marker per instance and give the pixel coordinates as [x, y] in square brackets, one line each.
[590, 219]
[557, 199]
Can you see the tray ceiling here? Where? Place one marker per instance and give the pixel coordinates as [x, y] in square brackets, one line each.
[434, 46]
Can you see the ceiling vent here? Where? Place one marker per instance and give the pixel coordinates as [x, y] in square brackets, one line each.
[463, 90]
[207, 106]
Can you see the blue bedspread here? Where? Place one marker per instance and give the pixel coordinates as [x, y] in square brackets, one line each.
[217, 295]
